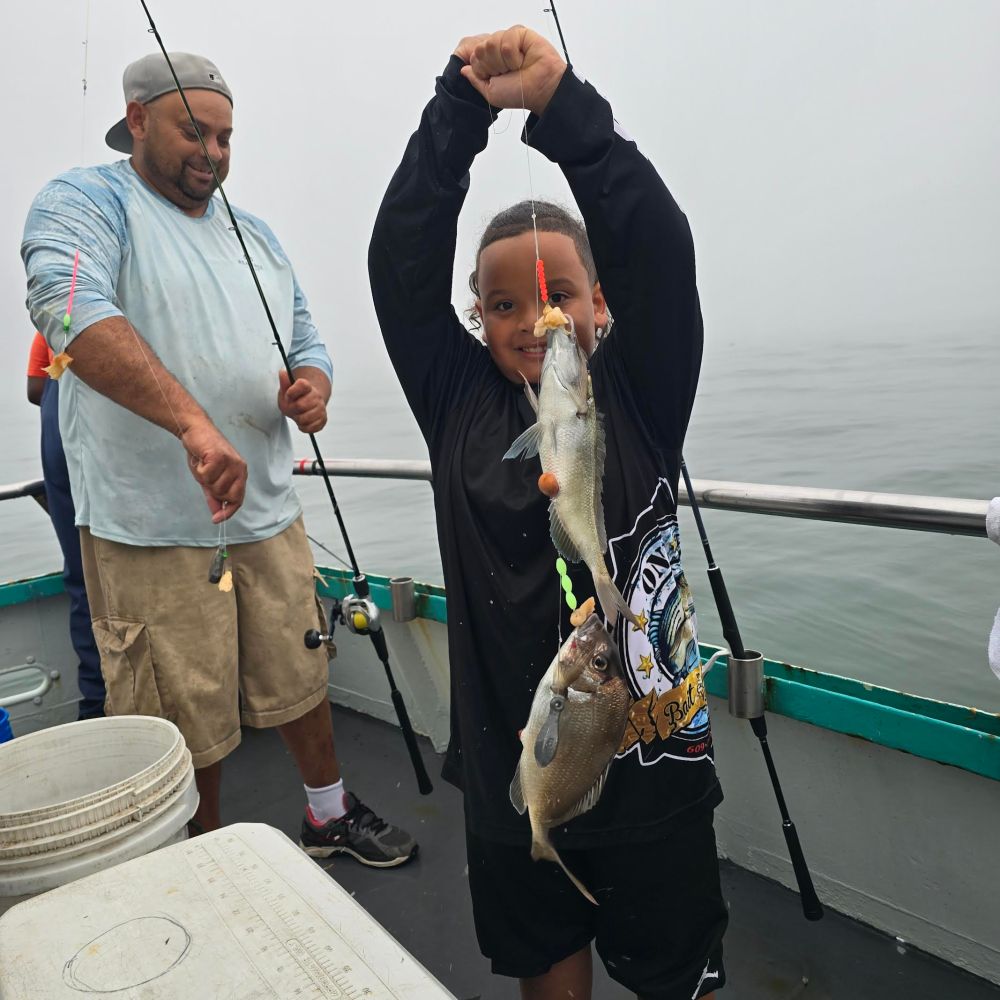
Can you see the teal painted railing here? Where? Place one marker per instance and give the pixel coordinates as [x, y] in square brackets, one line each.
[951, 734]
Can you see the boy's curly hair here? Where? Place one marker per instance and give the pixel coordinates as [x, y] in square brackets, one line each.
[513, 221]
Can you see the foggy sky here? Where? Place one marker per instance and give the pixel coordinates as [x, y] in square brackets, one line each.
[838, 162]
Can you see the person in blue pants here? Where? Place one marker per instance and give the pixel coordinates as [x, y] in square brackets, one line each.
[44, 392]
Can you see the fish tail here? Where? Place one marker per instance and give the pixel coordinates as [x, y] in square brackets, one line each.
[541, 848]
[611, 599]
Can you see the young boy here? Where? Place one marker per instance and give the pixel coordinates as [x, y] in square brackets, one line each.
[647, 850]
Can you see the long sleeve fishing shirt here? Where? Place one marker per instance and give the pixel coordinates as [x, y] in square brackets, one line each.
[504, 598]
[185, 286]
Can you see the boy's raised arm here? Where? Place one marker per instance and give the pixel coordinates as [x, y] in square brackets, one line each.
[642, 246]
[412, 250]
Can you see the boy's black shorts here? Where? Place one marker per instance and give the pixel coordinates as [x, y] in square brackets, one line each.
[658, 926]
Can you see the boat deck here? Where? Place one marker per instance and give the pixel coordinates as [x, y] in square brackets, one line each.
[772, 952]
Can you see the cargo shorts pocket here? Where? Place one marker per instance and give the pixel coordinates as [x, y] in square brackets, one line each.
[127, 665]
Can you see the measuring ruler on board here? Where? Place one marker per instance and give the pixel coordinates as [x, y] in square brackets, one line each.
[287, 942]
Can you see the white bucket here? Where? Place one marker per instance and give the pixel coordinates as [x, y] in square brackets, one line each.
[79, 798]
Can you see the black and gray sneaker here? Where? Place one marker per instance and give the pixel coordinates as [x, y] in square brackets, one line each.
[359, 833]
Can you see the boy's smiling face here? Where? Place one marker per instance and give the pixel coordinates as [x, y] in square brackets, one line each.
[508, 302]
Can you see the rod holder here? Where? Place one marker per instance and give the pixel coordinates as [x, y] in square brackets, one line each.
[746, 685]
[404, 601]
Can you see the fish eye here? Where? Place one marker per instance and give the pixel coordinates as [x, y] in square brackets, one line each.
[601, 662]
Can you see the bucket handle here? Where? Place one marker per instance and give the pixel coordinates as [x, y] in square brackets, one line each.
[35, 692]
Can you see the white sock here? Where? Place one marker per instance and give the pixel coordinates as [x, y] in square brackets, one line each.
[327, 803]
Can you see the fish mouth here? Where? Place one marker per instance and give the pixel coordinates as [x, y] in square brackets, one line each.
[592, 624]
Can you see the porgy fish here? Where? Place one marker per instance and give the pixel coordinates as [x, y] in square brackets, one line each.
[569, 438]
[576, 724]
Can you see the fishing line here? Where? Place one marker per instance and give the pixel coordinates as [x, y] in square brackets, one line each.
[83, 109]
[495, 130]
[539, 297]
[531, 189]
[329, 552]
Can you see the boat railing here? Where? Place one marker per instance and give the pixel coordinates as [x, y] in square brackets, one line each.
[947, 515]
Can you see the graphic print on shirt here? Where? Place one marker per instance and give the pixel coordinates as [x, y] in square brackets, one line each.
[669, 716]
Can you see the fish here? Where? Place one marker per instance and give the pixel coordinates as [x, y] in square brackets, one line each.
[576, 723]
[568, 436]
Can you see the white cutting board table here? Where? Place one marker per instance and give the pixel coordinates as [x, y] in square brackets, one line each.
[237, 914]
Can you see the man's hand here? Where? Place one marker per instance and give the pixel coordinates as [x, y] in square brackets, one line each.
[508, 63]
[304, 400]
[217, 467]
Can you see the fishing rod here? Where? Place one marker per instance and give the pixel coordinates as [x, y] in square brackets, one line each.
[361, 614]
[746, 690]
[562, 41]
[745, 686]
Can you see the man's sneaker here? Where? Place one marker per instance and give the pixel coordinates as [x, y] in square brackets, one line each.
[359, 833]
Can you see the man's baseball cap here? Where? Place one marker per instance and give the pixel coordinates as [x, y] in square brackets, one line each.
[149, 77]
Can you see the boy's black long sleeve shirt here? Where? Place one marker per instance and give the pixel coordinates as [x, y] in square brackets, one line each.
[504, 598]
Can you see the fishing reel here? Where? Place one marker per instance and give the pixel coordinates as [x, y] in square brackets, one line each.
[358, 612]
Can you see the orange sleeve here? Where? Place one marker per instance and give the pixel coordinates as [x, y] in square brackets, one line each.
[39, 357]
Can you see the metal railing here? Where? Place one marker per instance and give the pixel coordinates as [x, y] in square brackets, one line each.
[948, 515]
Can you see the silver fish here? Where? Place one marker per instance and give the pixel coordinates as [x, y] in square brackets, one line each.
[576, 724]
[569, 438]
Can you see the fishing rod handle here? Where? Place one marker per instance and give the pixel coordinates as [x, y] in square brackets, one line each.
[727, 617]
[423, 780]
[812, 908]
[382, 649]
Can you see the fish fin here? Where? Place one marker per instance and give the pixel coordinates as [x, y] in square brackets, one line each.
[587, 801]
[526, 443]
[530, 393]
[543, 849]
[517, 791]
[600, 453]
[580, 393]
[611, 599]
[561, 537]
[547, 741]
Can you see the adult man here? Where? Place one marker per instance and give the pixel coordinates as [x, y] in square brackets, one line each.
[167, 333]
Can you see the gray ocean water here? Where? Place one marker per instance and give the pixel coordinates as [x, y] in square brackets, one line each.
[906, 609]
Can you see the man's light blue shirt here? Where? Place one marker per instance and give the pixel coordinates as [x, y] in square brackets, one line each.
[185, 286]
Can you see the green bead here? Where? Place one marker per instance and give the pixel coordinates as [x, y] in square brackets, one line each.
[567, 584]
[561, 566]
[66, 321]
[570, 601]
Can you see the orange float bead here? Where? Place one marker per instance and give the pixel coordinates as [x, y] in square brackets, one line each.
[548, 484]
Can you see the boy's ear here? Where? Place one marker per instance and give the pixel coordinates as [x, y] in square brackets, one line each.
[600, 306]
[478, 309]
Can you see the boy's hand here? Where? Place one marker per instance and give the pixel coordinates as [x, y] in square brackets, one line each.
[467, 45]
[508, 64]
